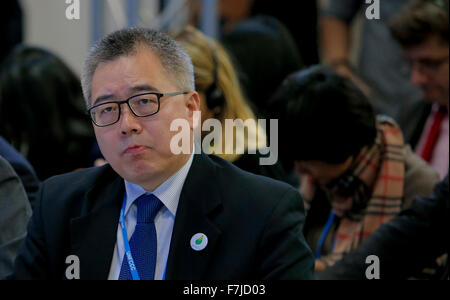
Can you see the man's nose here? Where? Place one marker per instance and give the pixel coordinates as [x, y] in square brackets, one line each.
[129, 123]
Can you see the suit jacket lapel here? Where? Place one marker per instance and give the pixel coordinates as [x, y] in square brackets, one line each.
[199, 198]
[93, 236]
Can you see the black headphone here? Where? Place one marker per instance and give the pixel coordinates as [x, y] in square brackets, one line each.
[214, 95]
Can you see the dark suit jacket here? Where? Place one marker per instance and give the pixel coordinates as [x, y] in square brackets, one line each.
[406, 244]
[250, 163]
[412, 119]
[253, 224]
[22, 167]
[15, 211]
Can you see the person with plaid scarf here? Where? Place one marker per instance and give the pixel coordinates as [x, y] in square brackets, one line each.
[355, 171]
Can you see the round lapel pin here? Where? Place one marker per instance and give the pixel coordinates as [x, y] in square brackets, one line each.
[199, 241]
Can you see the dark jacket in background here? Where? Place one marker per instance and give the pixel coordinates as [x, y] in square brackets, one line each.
[251, 163]
[15, 211]
[22, 167]
[412, 128]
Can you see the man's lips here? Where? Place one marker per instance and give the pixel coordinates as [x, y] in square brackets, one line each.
[135, 149]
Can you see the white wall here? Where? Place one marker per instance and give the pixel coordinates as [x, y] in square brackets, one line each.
[46, 25]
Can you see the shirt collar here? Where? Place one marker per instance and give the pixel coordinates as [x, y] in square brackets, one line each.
[168, 192]
[436, 106]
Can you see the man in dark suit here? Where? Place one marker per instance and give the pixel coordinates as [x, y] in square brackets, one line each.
[151, 213]
[422, 31]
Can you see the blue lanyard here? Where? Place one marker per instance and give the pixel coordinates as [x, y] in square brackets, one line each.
[132, 266]
[324, 234]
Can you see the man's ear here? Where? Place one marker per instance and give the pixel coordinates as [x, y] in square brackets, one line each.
[192, 104]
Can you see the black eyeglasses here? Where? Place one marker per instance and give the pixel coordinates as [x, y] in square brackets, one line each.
[142, 105]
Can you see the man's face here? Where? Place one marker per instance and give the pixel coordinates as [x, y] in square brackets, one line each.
[138, 148]
[430, 68]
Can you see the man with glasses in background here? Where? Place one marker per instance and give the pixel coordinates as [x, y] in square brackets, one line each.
[422, 29]
[149, 213]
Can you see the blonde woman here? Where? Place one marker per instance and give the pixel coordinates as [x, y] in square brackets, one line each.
[222, 99]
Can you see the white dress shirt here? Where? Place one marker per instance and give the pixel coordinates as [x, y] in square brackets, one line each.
[169, 194]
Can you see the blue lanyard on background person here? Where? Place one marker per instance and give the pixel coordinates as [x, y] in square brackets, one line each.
[129, 257]
[324, 234]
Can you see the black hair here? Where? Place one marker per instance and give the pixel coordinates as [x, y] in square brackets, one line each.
[42, 111]
[322, 116]
[11, 26]
[265, 53]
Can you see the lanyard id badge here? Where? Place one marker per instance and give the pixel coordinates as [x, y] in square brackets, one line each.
[129, 257]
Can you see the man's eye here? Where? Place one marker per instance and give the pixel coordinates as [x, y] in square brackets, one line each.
[144, 101]
[107, 110]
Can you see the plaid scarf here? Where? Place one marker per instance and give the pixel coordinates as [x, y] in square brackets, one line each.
[370, 193]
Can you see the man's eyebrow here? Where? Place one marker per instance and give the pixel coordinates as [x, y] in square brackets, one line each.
[143, 88]
[102, 98]
[134, 89]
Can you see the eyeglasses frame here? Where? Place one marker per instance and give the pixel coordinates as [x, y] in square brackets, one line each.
[424, 68]
[127, 101]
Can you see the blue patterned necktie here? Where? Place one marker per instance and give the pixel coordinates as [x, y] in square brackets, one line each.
[143, 242]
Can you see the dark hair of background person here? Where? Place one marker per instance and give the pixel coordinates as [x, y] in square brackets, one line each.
[264, 53]
[11, 26]
[322, 116]
[418, 20]
[42, 111]
[300, 18]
